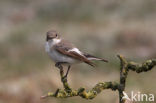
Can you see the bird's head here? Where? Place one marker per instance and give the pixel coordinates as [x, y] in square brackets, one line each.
[52, 35]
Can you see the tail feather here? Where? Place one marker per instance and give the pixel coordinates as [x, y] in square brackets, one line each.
[91, 57]
[91, 64]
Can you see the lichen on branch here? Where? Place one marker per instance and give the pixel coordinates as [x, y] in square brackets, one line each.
[82, 92]
[125, 66]
[142, 67]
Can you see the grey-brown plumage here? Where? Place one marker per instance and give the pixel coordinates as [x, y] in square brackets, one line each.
[62, 51]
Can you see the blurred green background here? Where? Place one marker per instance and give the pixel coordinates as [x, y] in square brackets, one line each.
[103, 28]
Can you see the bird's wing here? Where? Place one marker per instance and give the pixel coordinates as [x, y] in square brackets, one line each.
[69, 50]
[91, 57]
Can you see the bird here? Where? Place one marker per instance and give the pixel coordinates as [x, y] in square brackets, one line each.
[63, 52]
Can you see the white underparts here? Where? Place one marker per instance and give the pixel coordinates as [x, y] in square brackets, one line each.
[55, 41]
[55, 55]
[47, 47]
[50, 44]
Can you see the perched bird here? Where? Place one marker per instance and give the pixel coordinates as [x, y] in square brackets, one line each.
[64, 52]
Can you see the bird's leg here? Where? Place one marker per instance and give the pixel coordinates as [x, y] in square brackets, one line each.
[58, 65]
[67, 71]
[65, 76]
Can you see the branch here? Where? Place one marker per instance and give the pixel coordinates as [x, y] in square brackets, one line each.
[123, 77]
[144, 67]
[82, 92]
[125, 66]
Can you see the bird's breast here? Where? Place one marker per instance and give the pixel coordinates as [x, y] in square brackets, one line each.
[58, 57]
[47, 47]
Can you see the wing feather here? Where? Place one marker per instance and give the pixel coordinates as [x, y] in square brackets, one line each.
[66, 51]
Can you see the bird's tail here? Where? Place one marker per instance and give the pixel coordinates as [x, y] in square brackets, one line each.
[91, 57]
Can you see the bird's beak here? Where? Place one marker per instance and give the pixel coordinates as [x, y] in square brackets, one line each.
[48, 38]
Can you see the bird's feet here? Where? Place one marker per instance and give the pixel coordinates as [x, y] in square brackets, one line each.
[58, 65]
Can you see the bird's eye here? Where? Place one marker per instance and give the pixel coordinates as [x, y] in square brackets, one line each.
[56, 35]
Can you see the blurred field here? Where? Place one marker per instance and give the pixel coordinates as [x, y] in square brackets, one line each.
[104, 28]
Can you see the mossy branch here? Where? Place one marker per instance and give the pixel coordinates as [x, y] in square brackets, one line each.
[82, 92]
[125, 66]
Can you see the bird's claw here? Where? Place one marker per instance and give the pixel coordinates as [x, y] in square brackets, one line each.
[58, 65]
